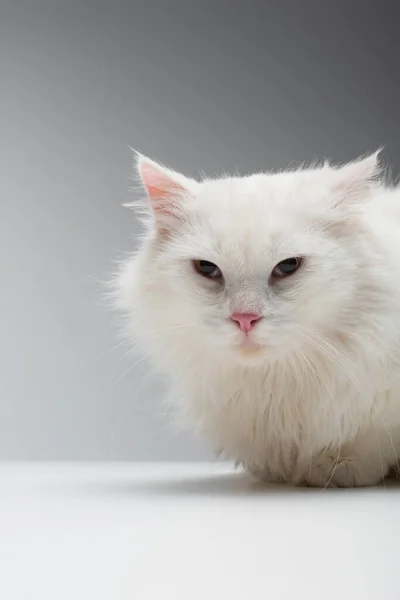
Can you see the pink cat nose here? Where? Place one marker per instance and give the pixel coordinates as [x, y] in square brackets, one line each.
[245, 321]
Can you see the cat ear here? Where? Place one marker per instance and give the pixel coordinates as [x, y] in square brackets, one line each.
[353, 181]
[165, 188]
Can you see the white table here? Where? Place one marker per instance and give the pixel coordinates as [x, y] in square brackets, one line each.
[172, 532]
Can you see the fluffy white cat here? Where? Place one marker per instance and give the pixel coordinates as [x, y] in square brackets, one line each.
[272, 301]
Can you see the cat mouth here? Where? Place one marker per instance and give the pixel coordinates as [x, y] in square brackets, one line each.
[250, 350]
[248, 346]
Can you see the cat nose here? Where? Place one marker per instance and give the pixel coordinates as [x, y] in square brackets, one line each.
[245, 321]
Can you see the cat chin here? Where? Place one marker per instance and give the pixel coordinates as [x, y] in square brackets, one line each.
[251, 358]
[257, 354]
[250, 354]
[250, 349]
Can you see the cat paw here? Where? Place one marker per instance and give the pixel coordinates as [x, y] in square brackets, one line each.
[331, 471]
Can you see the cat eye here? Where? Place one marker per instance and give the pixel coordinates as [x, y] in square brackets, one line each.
[207, 269]
[286, 267]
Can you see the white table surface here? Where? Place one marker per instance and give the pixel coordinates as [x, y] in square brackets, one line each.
[190, 531]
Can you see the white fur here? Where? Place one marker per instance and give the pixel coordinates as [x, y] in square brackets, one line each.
[319, 403]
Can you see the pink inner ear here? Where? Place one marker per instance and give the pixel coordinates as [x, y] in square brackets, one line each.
[158, 184]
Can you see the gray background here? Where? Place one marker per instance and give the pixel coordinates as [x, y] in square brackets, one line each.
[202, 85]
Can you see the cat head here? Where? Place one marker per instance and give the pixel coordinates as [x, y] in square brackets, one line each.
[248, 268]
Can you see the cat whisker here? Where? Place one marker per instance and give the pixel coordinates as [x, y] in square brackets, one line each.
[110, 350]
[326, 349]
[160, 330]
[128, 370]
[139, 341]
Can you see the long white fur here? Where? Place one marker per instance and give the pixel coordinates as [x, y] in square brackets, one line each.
[320, 402]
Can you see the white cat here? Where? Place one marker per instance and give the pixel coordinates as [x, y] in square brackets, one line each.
[273, 303]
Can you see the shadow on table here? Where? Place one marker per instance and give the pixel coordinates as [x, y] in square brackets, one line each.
[221, 485]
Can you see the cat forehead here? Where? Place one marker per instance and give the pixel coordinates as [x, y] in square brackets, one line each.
[236, 205]
[247, 219]
[258, 182]
[262, 191]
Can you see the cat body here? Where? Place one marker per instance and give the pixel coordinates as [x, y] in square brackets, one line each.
[272, 303]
